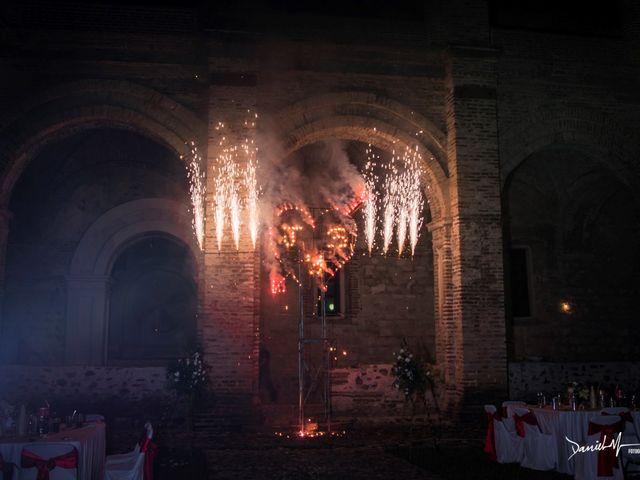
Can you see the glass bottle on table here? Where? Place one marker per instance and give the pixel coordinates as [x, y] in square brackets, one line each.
[43, 421]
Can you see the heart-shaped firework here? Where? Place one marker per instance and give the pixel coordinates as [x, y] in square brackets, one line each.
[323, 243]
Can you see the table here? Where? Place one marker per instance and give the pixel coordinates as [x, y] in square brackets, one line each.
[88, 440]
[567, 423]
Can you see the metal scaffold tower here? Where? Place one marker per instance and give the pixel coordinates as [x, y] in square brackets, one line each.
[314, 363]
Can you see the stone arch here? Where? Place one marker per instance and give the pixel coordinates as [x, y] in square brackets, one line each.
[72, 107]
[89, 275]
[369, 118]
[585, 130]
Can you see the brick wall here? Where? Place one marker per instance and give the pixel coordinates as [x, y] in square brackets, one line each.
[478, 110]
[528, 378]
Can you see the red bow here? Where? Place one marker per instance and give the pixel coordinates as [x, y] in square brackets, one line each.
[528, 418]
[67, 460]
[607, 458]
[150, 451]
[490, 440]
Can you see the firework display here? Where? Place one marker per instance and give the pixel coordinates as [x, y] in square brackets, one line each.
[323, 243]
[322, 239]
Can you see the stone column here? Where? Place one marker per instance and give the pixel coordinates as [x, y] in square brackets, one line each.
[476, 319]
[87, 320]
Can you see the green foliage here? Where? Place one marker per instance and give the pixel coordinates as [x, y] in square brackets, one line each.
[411, 376]
[188, 376]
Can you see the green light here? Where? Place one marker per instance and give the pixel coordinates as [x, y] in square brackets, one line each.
[332, 307]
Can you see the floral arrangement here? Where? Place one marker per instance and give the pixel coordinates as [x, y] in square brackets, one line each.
[580, 390]
[188, 376]
[411, 377]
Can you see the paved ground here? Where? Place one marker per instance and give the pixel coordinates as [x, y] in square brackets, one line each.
[359, 456]
[311, 464]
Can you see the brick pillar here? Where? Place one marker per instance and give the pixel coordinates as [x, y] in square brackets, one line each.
[229, 313]
[447, 325]
[475, 319]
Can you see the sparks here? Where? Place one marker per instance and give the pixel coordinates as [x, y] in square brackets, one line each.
[389, 210]
[252, 189]
[416, 205]
[236, 187]
[402, 210]
[370, 203]
[197, 191]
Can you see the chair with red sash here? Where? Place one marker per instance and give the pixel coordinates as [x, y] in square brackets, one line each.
[507, 413]
[6, 469]
[135, 465]
[540, 450]
[501, 444]
[601, 461]
[630, 460]
[49, 461]
[490, 439]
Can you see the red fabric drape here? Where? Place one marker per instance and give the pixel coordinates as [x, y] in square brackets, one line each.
[607, 458]
[44, 466]
[490, 440]
[150, 450]
[520, 420]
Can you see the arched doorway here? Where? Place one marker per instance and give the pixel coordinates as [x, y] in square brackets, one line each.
[572, 230]
[376, 301]
[153, 301]
[74, 207]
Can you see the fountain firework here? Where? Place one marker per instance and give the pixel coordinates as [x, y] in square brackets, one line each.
[370, 201]
[197, 191]
[251, 186]
[389, 207]
[402, 199]
[416, 203]
[236, 189]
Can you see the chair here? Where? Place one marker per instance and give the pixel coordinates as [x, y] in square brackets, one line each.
[135, 465]
[603, 464]
[507, 413]
[49, 461]
[625, 414]
[502, 445]
[540, 449]
[6, 469]
[490, 440]
[630, 461]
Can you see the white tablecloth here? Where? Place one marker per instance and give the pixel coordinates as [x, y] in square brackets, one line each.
[570, 424]
[88, 440]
